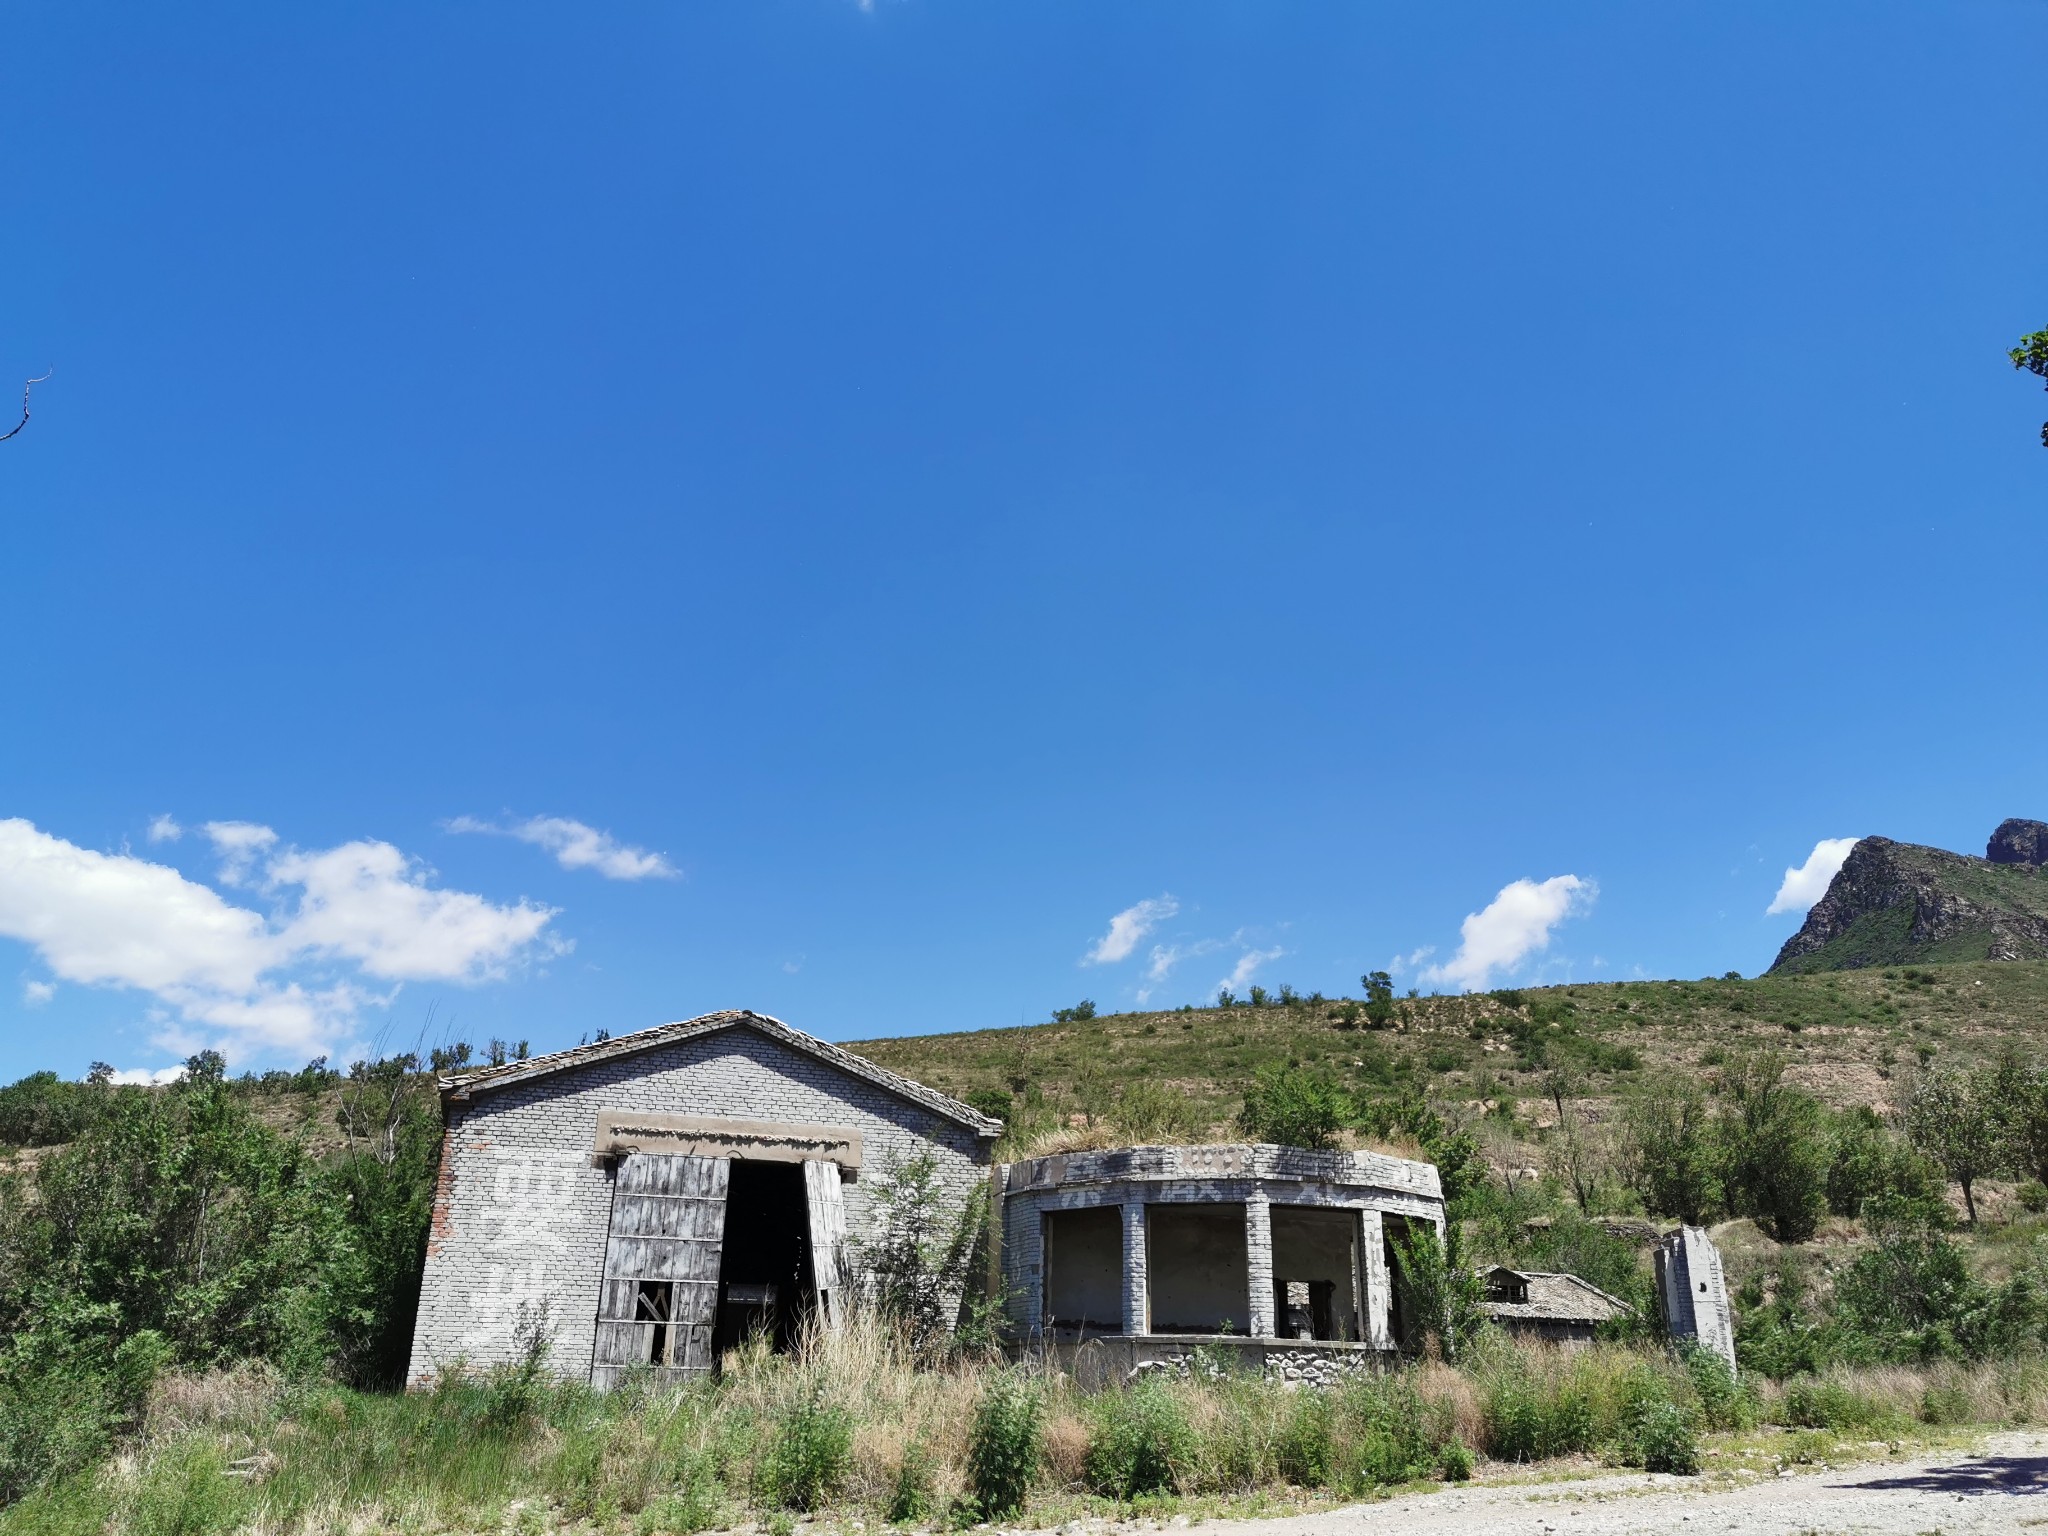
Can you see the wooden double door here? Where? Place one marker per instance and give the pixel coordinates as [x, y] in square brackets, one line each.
[664, 1264]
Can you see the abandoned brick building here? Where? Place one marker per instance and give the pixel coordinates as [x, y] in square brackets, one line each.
[1129, 1257]
[660, 1195]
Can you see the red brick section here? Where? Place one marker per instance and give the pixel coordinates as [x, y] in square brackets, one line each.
[442, 1226]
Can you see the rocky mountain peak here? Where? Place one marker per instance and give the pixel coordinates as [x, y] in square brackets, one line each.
[1901, 903]
[2019, 841]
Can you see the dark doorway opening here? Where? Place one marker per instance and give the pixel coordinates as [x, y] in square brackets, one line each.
[764, 1276]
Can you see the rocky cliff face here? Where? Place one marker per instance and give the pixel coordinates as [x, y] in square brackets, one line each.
[1901, 903]
[2019, 842]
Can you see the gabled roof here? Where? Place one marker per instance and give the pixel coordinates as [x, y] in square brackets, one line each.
[1555, 1298]
[462, 1089]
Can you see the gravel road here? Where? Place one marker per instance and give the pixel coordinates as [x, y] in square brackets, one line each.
[2002, 1488]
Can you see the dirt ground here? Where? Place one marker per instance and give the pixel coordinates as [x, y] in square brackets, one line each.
[2002, 1488]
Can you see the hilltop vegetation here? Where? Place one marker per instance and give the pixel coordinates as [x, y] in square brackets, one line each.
[1848, 1037]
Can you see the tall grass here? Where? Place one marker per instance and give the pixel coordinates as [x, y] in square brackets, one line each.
[850, 1425]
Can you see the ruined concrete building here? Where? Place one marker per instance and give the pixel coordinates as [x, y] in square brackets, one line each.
[659, 1196]
[1692, 1293]
[1132, 1256]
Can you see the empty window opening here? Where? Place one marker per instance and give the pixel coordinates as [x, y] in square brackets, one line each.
[655, 1303]
[764, 1277]
[1315, 1269]
[1195, 1266]
[1084, 1271]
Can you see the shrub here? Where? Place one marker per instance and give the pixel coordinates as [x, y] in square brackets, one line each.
[1444, 1294]
[1382, 1433]
[2033, 1196]
[1813, 1402]
[695, 1504]
[1080, 1013]
[1456, 1460]
[1529, 1420]
[1304, 1451]
[1149, 1111]
[1294, 1107]
[913, 1496]
[916, 1258]
[993, 1102]
[1003, 1443]
[1724, 1402]
[1663, 1440]
[1947, 1402]
[1141, 1440]
[810, 1451]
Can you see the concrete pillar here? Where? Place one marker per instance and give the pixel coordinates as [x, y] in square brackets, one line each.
[1136, 1291]
[1374, 1280]
[1258, 1252]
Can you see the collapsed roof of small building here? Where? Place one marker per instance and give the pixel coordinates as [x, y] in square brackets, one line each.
[470, 1084]
[1541, 1296]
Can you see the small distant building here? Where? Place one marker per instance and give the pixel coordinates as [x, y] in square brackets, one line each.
[1692, 1293]
[1546, 1307]
[1134, 1256]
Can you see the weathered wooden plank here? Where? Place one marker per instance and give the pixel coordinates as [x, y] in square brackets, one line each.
[827, 1210]
[623, 1344]
[618, 1301]
[697, 1302]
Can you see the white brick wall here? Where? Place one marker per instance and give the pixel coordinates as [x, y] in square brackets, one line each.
[521, 1212]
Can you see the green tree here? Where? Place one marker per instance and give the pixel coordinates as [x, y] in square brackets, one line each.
[1294, 1107]
[2031, 356]
[1775, 1148]
[1870, 1163]
[2020, 1090]
[1668, 1153]
[1379, 999]
[1953, 1116]
[1445, 1295]
[916, 1259]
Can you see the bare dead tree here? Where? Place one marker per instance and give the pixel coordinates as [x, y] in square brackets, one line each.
[30, 385]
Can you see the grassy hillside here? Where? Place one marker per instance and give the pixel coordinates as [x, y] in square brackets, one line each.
[1848, 1035]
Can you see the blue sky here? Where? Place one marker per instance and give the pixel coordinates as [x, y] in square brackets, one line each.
[843, 502]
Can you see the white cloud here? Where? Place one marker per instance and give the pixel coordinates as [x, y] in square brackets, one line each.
[146, 1077]
[1129, 927]
[1803, 886]
[1514, 925]
[1411, 960]
[247, 982]
[36, 993]
[162, 829]
[575, 846]
[1247, 964]
[239, 844]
